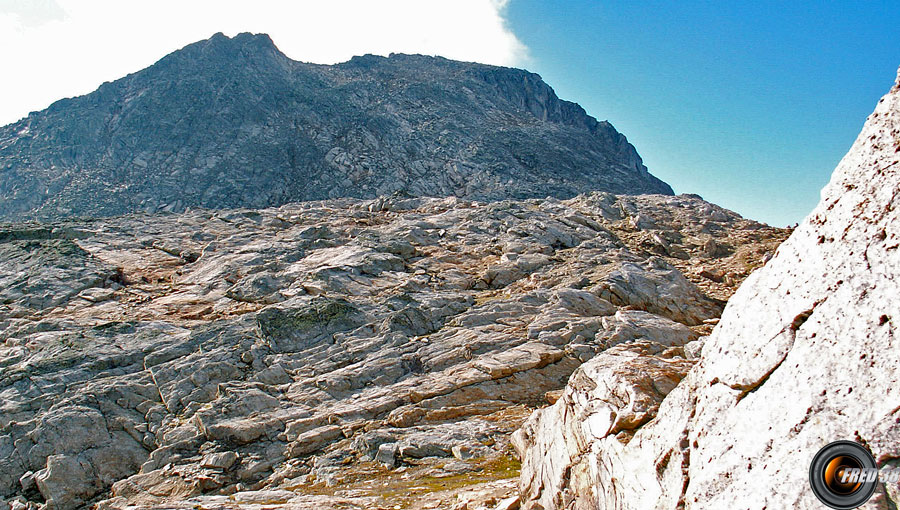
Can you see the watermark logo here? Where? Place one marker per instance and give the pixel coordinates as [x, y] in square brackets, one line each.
[843, 475]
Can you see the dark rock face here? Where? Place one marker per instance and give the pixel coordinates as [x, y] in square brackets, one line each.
[232, 122]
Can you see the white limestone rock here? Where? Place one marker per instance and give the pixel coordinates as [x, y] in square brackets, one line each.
[386, 335]
[605, 401]
[806, 353]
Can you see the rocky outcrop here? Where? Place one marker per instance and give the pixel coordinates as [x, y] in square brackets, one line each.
[233, 122]
[609, 397]
[346, 353]
[806, 353]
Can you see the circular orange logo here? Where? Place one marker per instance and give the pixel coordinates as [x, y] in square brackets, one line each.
[843, 475]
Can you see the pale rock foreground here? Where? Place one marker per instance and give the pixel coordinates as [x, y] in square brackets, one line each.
[807, 352]
[337, 354]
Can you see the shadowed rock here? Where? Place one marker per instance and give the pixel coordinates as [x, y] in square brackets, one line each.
[232, 122]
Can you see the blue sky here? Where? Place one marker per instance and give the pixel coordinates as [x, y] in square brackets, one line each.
[749, 104]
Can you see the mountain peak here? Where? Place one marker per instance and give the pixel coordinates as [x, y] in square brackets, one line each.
[244, 40]
[222, 47]
[233, 122]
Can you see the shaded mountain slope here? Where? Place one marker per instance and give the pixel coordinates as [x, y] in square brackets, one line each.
[232, 122]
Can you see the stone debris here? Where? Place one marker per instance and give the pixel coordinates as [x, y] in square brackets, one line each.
[338, 354]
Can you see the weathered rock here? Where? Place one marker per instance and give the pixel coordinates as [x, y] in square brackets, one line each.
[293, 329]
[222, 460]
[384, 341]
[313, 440]
[658, 288]
[608, 397]
[387, 454]
[806, 353]
[439, 440]
[66, 482]
[584, 303]
[28, 483]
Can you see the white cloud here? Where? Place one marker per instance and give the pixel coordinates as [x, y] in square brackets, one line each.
[52, 49]
[32, 12]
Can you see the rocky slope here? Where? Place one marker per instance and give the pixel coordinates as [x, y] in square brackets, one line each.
[338, 354]
[232, 122]
[806, 353]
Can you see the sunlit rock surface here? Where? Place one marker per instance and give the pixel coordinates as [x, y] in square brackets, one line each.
[346, 353]
[807, 352]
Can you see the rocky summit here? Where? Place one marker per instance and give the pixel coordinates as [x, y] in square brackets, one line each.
[233, 122]
[348, 353]
[806, 353]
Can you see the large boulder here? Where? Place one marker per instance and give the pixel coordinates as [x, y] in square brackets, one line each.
[806, 353]
[610, 396]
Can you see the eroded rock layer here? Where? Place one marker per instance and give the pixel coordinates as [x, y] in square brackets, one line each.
[345, 354]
